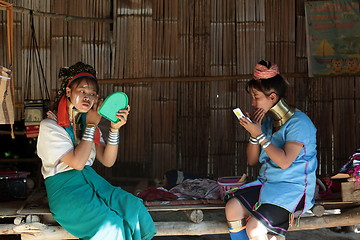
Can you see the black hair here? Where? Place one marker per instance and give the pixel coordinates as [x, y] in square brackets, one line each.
[275, 84]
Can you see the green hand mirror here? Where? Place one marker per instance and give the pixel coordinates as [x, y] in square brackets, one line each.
[112, 104]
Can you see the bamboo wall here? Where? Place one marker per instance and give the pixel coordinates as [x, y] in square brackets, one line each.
[184, 65]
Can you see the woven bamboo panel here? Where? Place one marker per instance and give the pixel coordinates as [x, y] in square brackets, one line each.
[193, 120]
[136, 137]
[133, 37]
[163, 121]
[320, 92]
[176, 123]
[299, 94]
[222, 165]
[344, 113]
[193, 157]
[166, 155]
[356, 131]
[280, 39]
[200, 101]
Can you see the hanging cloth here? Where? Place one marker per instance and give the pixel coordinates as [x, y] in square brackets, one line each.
[35, 109]
[6, 77]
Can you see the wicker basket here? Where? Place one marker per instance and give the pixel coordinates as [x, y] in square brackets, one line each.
[228, 183]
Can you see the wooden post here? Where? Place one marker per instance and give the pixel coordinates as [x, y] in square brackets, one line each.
[196, 216]
[318, 210]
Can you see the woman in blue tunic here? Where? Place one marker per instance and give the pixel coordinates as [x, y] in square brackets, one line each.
[283, 140]
[80, 200]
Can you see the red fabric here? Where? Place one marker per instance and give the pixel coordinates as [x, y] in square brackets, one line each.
[97, 136]
[63, 113]
[32, 131]
[151, 194]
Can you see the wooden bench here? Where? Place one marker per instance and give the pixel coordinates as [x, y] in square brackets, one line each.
[33, 220]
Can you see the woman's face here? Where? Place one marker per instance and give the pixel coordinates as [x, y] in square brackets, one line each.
[260, 100]
[82, 95]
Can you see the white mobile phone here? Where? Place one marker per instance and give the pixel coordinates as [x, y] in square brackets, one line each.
[239, 114]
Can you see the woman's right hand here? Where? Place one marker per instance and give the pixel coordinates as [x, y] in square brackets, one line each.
[254, 127]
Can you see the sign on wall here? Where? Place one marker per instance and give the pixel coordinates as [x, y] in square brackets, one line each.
[333, 37]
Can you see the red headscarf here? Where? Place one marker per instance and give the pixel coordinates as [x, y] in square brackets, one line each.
[262, 72]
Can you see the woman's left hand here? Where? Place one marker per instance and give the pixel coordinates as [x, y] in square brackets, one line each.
[122, 115]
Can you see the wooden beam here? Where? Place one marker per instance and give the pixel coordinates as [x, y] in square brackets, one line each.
[58, 15]
[191, 79]
[339, 220]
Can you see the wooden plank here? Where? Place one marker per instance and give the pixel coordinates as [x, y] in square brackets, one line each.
[42, 232]
[185, 207]
[188, 228]
[9, 208]
[172, 228]
[36, 203]
[36, 231]
[350, 191]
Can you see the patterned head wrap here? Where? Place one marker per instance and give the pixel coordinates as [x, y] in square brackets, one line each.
[263, 72]
[69, 74]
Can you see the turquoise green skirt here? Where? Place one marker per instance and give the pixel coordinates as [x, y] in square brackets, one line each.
[89, 207]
